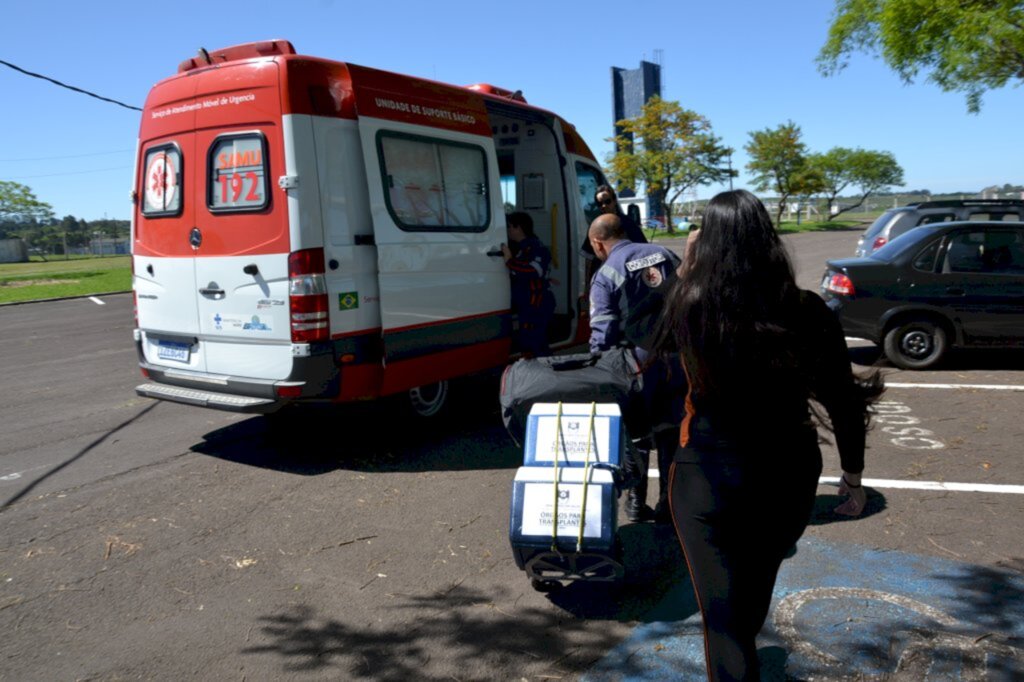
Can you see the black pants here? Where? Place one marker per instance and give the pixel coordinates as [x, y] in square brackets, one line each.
[736, 519]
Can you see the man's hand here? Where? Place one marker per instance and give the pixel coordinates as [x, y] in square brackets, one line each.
[505, 252]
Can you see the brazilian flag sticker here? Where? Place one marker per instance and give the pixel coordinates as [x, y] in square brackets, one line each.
[348, 300]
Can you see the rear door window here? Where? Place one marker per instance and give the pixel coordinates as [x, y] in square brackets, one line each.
[162, 189]
[237, 174]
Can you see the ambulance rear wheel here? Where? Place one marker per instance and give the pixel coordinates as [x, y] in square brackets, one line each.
[430, 401]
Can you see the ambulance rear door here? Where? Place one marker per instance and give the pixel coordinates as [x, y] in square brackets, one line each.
[241, 236]
[162, 260]
[438, 226]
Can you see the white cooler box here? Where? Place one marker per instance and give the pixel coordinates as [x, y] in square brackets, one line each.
[550, 552]
[607, 442]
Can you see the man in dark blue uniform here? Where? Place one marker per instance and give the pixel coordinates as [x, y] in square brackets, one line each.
[626, 295]
[529, 266]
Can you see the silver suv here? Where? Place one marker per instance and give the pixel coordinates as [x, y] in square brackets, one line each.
[896, 221]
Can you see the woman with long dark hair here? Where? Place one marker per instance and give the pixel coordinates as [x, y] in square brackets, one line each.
[762, 358]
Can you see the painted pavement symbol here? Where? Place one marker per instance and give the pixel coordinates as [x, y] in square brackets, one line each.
[842, 612]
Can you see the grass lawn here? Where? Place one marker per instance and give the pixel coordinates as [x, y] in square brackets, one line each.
[56, 279]
[790, 226]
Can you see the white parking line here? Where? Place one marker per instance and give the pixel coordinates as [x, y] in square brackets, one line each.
[97, 301]
[931, 485]
[918, 485]
[982, 387]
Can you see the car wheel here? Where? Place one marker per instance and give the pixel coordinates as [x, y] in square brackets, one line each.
[917, 344]
[430, 401]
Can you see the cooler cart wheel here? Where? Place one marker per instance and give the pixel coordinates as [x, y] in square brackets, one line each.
[545, 585]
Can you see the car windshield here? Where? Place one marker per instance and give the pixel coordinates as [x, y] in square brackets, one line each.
[898, 245]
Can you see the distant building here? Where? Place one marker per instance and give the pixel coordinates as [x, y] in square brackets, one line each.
[631, 88]
[13, 251]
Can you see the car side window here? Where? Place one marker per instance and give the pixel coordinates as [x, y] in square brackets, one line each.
[996, 252]
[937, 218]
[925, 260]
[964, 253]
[1003, 252]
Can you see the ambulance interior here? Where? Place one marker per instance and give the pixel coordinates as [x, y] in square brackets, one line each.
[532, 182]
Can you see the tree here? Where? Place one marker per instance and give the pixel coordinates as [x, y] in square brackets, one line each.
[968, 46]
[672, 150]
[778, 161]
[19, 204]
[840, 168]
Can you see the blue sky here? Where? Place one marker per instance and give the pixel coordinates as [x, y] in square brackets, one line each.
[745, 64]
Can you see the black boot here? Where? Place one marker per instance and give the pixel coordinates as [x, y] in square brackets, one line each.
[637, 510]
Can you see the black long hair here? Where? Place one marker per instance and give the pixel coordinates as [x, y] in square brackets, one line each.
[737, 282]
[734, 312]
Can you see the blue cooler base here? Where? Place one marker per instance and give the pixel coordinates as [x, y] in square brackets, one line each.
[532, 523]
[546, 565]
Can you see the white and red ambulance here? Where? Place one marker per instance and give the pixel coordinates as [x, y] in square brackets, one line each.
[310, 230]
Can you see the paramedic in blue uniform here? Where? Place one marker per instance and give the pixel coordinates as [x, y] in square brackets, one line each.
[625, 300]
[529, 266]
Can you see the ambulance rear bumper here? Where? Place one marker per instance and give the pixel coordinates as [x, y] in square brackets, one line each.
[313, 378]
[213, 399]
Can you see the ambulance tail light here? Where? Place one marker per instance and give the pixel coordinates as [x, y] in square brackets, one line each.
[307, 296]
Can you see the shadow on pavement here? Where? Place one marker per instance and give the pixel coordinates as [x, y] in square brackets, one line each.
[461, 633]
[825, 504]
[374, 436]
[656, 588]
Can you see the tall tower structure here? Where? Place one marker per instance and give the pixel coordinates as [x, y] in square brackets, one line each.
[631, 88]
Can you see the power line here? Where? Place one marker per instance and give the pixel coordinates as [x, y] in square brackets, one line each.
[69, 87]
[53, 175]
[69, 156]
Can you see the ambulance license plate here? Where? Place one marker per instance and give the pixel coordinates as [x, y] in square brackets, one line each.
[173, 350]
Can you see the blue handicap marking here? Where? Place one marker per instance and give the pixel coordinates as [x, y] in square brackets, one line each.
[843, 612]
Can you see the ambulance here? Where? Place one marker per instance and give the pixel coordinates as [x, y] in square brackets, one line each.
[306, 230]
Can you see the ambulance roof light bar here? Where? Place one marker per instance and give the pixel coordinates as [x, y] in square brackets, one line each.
[263, 48]
[488, 89]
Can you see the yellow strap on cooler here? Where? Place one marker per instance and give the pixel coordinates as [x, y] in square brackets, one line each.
[586, 478]
[554, 517]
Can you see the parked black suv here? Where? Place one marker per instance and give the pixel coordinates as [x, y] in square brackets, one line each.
[938, 286]
[896, 221]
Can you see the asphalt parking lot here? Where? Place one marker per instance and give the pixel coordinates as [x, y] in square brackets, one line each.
[156, 541]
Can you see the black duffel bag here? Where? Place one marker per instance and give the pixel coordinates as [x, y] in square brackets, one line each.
[613, 376]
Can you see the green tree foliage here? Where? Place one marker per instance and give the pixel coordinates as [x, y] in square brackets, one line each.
[18, 204]
[840, 169]
[778, 163]
[672, 150]
[967, 46]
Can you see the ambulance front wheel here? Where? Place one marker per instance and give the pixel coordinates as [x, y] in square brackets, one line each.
[430, 401]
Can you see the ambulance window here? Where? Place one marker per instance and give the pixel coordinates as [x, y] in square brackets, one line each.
[589, 179]
[162, 183]
[434, 185]
[237, 177]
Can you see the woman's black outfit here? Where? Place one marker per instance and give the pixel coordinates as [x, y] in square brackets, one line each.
[746, 472]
